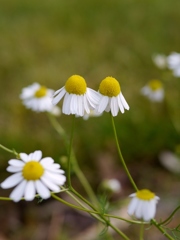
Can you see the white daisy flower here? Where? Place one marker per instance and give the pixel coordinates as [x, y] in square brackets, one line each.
[160, 60]
[33, 174]
[37, 98]
[173, 60]
[153, 91]
[111, 97]
[143, 205]
[78, 98]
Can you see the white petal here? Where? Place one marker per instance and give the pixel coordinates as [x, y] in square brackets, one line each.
[18, 192]
[24, 157]
[58, 95]
[114, 106]
[30, 191]
[52, 186]
[74, 104]
[66, 104]
[16, 163]
[138, 211]
[55, 178]
[126, 106]
[42, 190]
[121, 107]
[86, 104]
[13, 169]
[12, 181]
[93, 97]
[47, 161]
[37, 155]
[132, 206]
[103, 104]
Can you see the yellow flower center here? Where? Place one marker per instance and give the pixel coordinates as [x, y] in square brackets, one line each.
[41, 92]
[145, 194]
[155, 85]
[109, 87]
[76, 85]
[32, 170]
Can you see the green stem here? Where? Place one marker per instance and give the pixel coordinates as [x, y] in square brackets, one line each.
[9, 150]
[141, 232]
[76, 167]
[5, 199]
[118, 231]
[125, 220]
[70, 154]
[121, 157]
[169, 218]
[84, 182]
[161, 229]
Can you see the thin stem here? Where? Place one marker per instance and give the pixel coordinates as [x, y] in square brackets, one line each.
[118, 231]
[9, 150]
[141, 232]
[84, 182]
[121, 157]
[168, 219]
[76, 167]
[5, 199]
[70, 153]
[126, 220]
[161, 229]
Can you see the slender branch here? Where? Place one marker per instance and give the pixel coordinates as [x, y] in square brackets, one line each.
[121, 157]
[161, 229]
[9, 150]
[169, 218]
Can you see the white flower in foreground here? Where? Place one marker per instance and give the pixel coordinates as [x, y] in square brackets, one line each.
[37, 98]
[153, 91]
[143, 205]
[78, 98]
[111, 97]
[160, 60]
[33, 174]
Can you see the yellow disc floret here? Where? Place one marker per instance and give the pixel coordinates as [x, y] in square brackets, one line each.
[109, 87]
[76, 85]
[155, 85]
[145, 194]
[32, 170]
[41, 92]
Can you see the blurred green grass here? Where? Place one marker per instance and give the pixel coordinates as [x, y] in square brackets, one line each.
[48, 41]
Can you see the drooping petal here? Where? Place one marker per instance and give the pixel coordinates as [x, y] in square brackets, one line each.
[114, 106]
[58, 95]
[103, 104]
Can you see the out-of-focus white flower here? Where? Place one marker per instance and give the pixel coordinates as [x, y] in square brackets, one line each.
[56, 111]
[112, 185]
[173, 60]
[143, 205]
[170, 161]
[176, 72]
[37, 98]
[160, 60]
[33, 174]
[93, 113]
[153, 91]
[112, 99]
[78, 98]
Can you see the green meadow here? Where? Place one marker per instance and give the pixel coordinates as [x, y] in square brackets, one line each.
[47, 42]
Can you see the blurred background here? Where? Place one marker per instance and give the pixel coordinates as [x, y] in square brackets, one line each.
[47, 42]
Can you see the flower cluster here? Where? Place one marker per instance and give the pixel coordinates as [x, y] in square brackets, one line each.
[172, 62]
[81, 100]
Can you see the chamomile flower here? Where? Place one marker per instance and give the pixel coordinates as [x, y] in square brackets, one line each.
[112, 98]
[37, 98]
[33, 174]
[78, 98]
[143, 205]
[153, 91]
[173, 61]
[160, 60]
